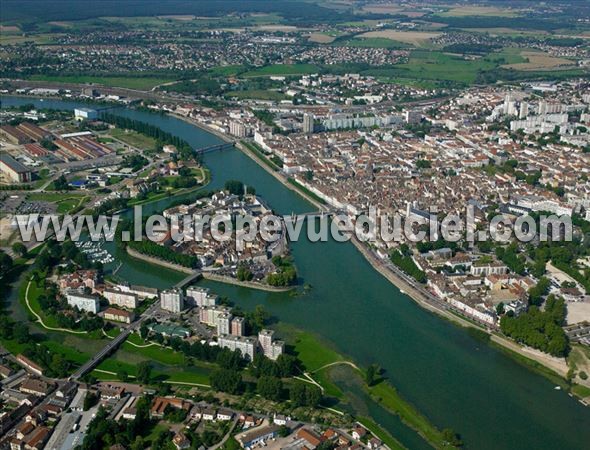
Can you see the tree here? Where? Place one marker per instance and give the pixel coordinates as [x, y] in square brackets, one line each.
[450, 436]
[143, 331]
[20, 333]
[90, 400]
[234, 187]
[226, 380]
[303, 394]
[5, 262]
[61, 184]
[287, 365]
[20, 249]
[270, 388]
[537, 292]
[540, 329]
[372, 374]
[144, 372]
[244, 273]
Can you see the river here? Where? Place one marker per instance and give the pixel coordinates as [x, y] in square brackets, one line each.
[453, 378]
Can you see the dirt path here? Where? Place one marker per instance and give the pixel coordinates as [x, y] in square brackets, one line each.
[40, 320]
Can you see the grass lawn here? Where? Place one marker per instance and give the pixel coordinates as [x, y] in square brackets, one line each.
[51, 196]
[389, 398]
[197, 375]
[330, 388]
[581, 391]
[434, 66]
[111, 365]
[283, 69]
[66, 203]
[39, 39]
[309, 349]
[35, 292]
[134, 138]
[231, 444]
[71, 354]
[226, 71]
[13, 347]
[480, 11]
[130, 82]
[70, 204]
[156, 353]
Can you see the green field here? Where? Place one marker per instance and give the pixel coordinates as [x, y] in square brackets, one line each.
[134, 138]
[372, 43]
[439, 66]
[130, 82]
[196, 375]
[39, 39]
[35, 291]
[66, 203]
[389, 398]
[155, 353]
[313, 353]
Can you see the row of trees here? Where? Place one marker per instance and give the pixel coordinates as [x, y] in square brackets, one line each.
[183, 147]
[150, 248]
[269, 387]
[540, 329]
[402, 259]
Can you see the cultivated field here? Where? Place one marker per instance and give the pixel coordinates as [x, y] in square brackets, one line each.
[9, 29]
[539, 61]
[393, 10]
[321, 38]
[464, 11]
[417, 38]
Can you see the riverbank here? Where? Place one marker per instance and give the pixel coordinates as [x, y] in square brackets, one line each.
[206, 275]
[557, 365]
[247, 284]
[157, 261]
[278, 176]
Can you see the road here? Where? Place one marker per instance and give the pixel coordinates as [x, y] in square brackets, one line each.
[114, 344]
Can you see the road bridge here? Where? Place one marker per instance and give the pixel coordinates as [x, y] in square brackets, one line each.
[214, 148]
[193, 276]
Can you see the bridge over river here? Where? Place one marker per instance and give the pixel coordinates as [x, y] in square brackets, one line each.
[114, 344]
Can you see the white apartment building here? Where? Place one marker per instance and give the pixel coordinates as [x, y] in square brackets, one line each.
[246, 345]
[117, 297]
[209, 314]
[224, 323]
[201, 296]
[88, 303]
[270, 347]
[172, 300]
